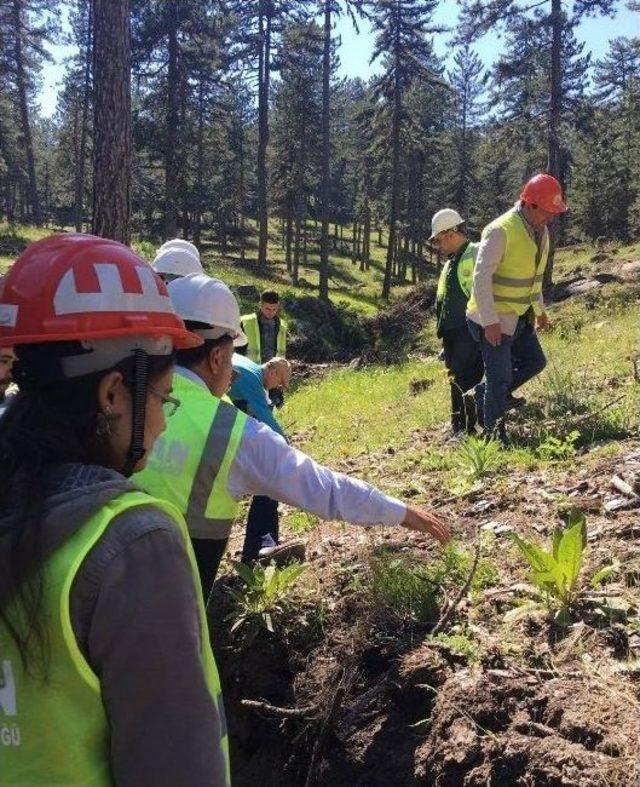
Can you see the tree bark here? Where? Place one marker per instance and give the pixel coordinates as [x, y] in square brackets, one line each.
[170, 174]
[395, 176]
[555, 113]
[197, 217]
[323, 291]
[112, 119]
[81, 162]
[264, 69]
[21, 84]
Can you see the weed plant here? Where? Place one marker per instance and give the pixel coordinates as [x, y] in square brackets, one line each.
[478, 456]
[266, 596]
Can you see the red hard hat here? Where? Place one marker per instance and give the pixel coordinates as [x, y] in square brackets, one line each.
[73, 287]
[545, 191]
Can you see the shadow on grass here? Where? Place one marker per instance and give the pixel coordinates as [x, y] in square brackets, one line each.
[11, 243]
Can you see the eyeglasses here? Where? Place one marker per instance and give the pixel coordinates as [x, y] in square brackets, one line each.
[170, 403]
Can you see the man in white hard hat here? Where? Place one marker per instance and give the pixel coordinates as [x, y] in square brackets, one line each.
[461, 353]
[176, 258]
[180, 243]
[211, 454]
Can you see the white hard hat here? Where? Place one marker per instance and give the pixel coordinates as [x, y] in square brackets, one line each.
[445, 219]
[177, 262]
[199, 298]
[179, 243]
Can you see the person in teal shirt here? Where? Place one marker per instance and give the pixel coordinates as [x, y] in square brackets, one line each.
[249, 393]
[250, 385]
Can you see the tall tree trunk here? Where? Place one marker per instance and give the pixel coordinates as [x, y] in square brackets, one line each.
[170, 173]
[301, 197]
[323, 291]
[21, 84]
[366, 243]
[81, 161]
[112, 119]
[554, 164]
[264, 69]
[197, 214]
[288, 238]
[241, 188]
[395, 177]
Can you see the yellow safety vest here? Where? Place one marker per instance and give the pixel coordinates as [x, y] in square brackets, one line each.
[251, 327]
[517, 283]
[190, 462]
[54, 731]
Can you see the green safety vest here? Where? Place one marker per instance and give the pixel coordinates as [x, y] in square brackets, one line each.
[54, 730]
[190, 462]
[517, 283]
[465, 272]
[251, 327]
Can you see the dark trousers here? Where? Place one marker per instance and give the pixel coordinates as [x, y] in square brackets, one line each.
[515, 360]
[463, 360]
[208, 552]
[262, 527]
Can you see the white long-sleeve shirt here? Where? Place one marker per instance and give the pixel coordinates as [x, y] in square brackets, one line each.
[490, 254]
[265, 464]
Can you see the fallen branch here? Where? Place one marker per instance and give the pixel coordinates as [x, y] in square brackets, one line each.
[445, 617]
[284, 713]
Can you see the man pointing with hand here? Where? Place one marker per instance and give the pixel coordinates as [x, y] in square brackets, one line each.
[506, 306]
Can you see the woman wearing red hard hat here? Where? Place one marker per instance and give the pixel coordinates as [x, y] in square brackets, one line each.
[106, 672]
[506, 304]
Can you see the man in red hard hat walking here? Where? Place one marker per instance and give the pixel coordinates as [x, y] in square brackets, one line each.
[506, 306]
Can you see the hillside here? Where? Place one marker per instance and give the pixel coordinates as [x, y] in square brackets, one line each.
[352, 688]
[392, 662]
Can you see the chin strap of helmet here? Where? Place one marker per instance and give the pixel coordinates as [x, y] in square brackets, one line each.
[139, 407]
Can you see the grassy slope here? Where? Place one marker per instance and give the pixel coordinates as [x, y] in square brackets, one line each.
[350, 286]
[488, 701]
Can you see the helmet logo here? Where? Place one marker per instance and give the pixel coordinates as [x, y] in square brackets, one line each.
[111, 295]
[557, 200]
[8, 315]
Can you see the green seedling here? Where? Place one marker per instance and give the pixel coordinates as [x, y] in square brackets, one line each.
[265, 596]
[477, 457]
[556, 573]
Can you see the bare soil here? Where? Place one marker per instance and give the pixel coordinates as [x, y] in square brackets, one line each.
[352, 695]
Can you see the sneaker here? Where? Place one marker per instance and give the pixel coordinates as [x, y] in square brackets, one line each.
[281, 554]
[515, 402]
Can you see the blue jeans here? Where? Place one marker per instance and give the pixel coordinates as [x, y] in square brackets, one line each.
[515, 360]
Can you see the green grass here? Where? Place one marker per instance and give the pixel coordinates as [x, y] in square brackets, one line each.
[354, 412]
[348, 285]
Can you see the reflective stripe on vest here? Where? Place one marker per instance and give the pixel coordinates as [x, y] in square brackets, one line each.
[517, 283]
[251, 328]
[190, 462]
[465, 272]
[55, 730]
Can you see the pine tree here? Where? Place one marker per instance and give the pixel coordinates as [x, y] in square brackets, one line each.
[27, 26]
[480, 16]
[401, 28]
[260, 24]
[466, 78]
[297, 114]
[329, 9]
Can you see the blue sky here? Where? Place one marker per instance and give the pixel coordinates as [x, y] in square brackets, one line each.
[356, 49]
